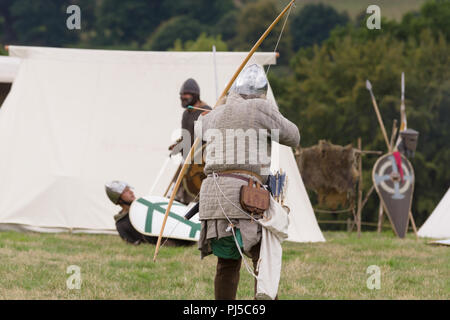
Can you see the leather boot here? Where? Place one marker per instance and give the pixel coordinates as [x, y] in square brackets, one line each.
[227, 278]
[254, 251]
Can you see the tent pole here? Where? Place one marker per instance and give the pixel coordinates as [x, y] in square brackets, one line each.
[159, 176]
[215, 72]
[360, 186]
[171, 181]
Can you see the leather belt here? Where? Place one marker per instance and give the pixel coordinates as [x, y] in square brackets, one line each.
[249, 173]
[231, 175]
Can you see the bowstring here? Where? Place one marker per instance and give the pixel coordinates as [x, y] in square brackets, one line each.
[281, 34]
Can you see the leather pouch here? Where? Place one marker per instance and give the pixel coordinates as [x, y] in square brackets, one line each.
[256, 199]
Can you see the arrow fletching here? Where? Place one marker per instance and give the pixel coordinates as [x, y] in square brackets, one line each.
[368, 85]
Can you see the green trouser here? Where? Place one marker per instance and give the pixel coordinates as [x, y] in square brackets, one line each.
[226, 247]
[228, 266]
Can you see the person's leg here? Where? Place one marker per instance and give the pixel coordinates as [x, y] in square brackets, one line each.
[254, 251]
[255, 257]
[227, 278]
[127, 231]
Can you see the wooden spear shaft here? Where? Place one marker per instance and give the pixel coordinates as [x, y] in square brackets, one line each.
[197, 140]
[380, 120]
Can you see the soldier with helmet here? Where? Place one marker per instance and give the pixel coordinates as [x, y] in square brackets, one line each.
[194, 107]
[228, 231]
[120, 193]
[190, 100]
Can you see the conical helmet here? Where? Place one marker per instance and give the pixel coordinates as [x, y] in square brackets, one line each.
[114, 190]
[251, 82]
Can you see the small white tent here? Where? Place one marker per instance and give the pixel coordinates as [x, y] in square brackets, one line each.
[76, 119]
[438, 223]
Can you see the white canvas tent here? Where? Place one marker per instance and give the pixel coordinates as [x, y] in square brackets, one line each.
[438, 223]
[9, 67]
[76, 119]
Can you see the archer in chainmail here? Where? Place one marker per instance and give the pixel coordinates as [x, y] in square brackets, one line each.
[224, 223]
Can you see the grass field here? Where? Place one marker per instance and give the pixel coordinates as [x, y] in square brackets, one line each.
[33, 266]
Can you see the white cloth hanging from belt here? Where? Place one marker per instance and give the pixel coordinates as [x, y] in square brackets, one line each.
[274, 232]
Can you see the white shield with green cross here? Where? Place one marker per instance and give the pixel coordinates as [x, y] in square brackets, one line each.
[147, 215]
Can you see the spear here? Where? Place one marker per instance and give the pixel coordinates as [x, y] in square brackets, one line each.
[377, 111]
[197, 140]
[403, 122]
[402, 106]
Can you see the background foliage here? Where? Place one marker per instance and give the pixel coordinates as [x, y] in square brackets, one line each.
[327, 53]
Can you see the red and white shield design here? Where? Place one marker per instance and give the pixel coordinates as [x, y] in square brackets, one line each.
[395, 187]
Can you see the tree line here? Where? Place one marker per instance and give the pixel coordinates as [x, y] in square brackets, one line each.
[319, 82]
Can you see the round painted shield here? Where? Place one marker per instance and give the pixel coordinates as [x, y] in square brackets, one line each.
[147, 215]
[395, 187]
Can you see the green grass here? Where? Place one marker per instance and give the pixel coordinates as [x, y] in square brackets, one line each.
[33, 266]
